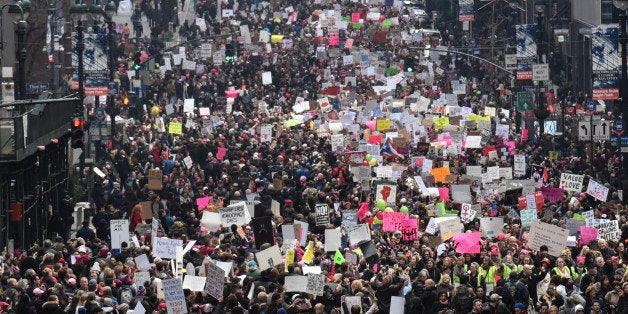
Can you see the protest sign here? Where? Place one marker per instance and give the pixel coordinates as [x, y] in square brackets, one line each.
[141, 277]
[386, 192]
[315, 284]
[119, 233]
[269, 257]
[359, 233]
[332, 239]
[597, 190]
[147, 210]
[351, 258]
[520, 165]
[296, 283]
[350, 217]
[173, 295]
[397, 304]
[350, 301]
[571, 182]
[211, 221]
[409, 229]
[392, 220]
[311, 270]
[155, 178]
[573, 225]
[166, 248]
[491, 226]
[552, 236]
[449, 228]
[552, 194]
[194, 283]
[608, 230]
[587, 234]
[142, 262]
[322, 214]
[468, 242]
[215, 281]
[527, 216]
[467, 214]
[202, 202]
[233, 215]
[461, 193]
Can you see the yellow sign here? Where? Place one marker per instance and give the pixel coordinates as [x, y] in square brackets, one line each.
[289, 258]
[175, 128]
[382, 124]
[308, 256]
[553, 154]
[439, 123]
[275, 39]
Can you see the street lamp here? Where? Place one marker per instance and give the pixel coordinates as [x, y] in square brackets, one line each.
[622, 5]
[23, 8]
[541, 111]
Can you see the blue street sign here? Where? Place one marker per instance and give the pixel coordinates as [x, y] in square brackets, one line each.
[590, 106]
[618, 126]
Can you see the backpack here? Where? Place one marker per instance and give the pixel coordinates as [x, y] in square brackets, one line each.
[126, 294]
[463, 302]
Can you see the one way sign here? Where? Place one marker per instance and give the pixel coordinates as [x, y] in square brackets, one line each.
[599, 130]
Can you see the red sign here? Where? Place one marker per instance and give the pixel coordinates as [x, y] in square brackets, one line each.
[605, 93]
[92, 90]
[570, 110]
[466, 17]
[524, 75]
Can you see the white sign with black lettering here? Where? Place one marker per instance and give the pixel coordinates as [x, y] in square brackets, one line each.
[119, 233]
[269, 257]
[322, 214]
[571, 182]
[315, 284]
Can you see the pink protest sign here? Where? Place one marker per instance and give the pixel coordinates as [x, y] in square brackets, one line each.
[552, 194]
[202, 202]
[409, 229]
[355, 17]
[468, 242]
[349, 43]
[392, 220]
[587, 234]
[444, 194]
[334, 40]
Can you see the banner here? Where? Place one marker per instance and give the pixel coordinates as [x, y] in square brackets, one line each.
[94, 65]
[526, 50]
[466, 11]
[605, 61]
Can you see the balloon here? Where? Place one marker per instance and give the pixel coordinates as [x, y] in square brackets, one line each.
[403, 209]
[377, 221]
[373, 162]
[365, 163]
[381, 204]
[368, 157]
[388, 210]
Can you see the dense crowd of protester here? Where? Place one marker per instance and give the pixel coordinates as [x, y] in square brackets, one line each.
[297, 168]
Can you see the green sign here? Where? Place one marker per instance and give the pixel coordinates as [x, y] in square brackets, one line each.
[525, 101]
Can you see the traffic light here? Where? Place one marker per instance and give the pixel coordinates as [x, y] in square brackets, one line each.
[409, 65]
[77, 133]
[125, 101]
[137, 61]
[229, 52]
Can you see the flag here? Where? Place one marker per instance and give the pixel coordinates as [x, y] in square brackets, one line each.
[338, 258]
[364, 209]
[389, 150]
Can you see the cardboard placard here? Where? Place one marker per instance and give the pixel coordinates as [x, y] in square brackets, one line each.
[155, 177]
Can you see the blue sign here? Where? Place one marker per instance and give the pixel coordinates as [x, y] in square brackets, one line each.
[618, 126]
[590, 106]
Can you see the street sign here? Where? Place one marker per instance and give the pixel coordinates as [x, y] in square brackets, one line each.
[525, 101]
[623, 143]
[510, 60]
[618, 127]
[540, 72]
[597, 130]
